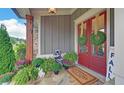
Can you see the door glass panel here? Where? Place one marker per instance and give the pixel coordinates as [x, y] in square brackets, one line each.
[98, 50]
[83, 48]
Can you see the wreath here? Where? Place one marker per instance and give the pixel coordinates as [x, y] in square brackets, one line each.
[98, 39]
[82, 40]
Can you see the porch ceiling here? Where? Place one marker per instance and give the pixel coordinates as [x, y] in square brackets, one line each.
[21, 12]
[44, 11]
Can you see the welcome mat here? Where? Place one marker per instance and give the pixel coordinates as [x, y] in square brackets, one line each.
[82, 76]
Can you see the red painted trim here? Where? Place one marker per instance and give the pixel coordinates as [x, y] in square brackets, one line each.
[29, 38]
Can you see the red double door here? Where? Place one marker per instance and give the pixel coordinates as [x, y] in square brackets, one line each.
[90, 56]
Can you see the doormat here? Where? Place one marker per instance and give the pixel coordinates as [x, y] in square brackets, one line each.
[82, 76]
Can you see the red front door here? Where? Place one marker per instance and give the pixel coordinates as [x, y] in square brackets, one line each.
[93, 57]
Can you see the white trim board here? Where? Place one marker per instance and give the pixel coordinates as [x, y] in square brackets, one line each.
[48, 55]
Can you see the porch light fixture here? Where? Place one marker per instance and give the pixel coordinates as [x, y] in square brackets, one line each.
[52, 11]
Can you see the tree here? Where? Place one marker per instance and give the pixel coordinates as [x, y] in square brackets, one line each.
[7, 57]
[20, 51]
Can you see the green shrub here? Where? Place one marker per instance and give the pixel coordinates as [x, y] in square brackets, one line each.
[56, 67]
[20, 51]
[21, 77]
[7, 57]
[37, 62]
[32, 72]
[47, 65]
[24, 75]
[70, 56]
[6, 78]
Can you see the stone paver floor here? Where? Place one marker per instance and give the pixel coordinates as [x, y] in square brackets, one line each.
[63, 78]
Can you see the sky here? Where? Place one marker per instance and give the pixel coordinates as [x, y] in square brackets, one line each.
[15, 26]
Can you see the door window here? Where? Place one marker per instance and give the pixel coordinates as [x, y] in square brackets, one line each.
[82, 38]
[98, 50]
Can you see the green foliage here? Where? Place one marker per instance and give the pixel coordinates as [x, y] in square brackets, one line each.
[47, 66]
[24, 75]
[21, 77]
[20, 51]
[7, 57]
[6, 78]
[19, 46]
[15, 41]
[70, 56]
[98, 39]
[56, 67]
[82, 40]
[37, 61]
[32, 72]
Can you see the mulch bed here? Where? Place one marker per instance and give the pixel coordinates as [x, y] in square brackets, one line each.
[82, 76]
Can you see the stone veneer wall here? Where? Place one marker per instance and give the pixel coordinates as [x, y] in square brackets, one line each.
[35, 42]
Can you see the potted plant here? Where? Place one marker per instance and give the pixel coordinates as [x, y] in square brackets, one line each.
[56, 68]
[47, 66]
[67, 64]
[37, 62]
[69, 59]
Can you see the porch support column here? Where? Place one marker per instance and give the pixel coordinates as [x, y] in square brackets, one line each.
[29, 38]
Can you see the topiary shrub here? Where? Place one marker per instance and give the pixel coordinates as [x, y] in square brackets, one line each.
[7, 57]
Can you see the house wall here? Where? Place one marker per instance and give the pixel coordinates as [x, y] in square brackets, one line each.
[36, 34]
[55, 34]
[69, 36]
[119, 45]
